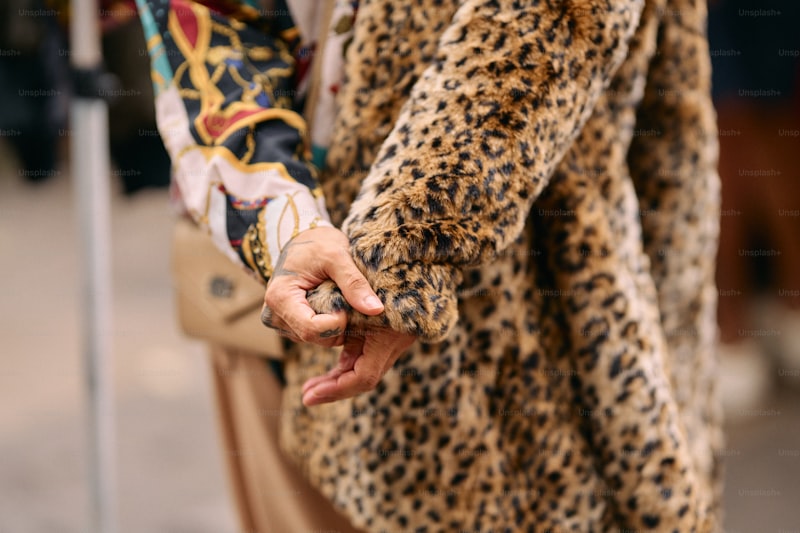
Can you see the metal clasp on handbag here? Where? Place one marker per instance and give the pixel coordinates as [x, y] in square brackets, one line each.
[221, 287]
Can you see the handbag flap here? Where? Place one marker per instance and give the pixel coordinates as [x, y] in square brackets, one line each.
[208, 280]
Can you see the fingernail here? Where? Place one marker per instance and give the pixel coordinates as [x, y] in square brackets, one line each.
[373, 302]
[310, 384]
[311, 397]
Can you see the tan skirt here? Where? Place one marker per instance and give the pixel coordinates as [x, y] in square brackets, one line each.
[271, 494]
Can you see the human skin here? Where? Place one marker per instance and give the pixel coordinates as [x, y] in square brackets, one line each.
[311, 257]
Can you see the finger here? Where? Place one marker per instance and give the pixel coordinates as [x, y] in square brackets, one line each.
[330, 375]
[347, 358]
[352, 350]
[289, 304]
[355, 287]
[272, 322]
[327, 338]
[266, 316]
[366, 374]
[392, 343]
[335, 336]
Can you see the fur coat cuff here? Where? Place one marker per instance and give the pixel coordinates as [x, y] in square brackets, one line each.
[419, 299]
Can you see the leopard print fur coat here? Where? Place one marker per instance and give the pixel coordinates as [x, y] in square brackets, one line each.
[531, 188]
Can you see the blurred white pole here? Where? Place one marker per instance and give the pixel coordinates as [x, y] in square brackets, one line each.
[90, 170]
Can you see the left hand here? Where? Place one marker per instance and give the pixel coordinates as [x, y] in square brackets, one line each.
[363, 362]
[312, 257]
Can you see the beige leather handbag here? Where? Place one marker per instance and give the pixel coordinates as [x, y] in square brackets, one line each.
[216, 299]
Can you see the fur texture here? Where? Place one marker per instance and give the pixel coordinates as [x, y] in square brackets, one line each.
[531, 188]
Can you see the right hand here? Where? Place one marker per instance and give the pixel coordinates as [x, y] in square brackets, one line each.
[367, 356]
[311, 257]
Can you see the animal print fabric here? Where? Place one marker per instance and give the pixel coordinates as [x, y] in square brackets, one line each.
[531, 188]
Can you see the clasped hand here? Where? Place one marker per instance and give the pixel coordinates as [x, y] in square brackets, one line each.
[310, 258]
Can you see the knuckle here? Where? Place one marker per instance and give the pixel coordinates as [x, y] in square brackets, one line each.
[370, 381]
[266, 316]
[269, 296]
[304, 333]
[355, 282]
[330, 343]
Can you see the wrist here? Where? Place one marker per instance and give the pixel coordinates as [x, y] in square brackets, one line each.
[287, 215]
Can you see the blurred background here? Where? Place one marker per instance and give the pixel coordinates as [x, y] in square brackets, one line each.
[169, 466]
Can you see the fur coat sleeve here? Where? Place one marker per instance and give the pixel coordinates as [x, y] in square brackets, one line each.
[583, 355]
[473, 147]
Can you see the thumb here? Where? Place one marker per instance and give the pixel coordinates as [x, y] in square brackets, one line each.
[355, 288]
